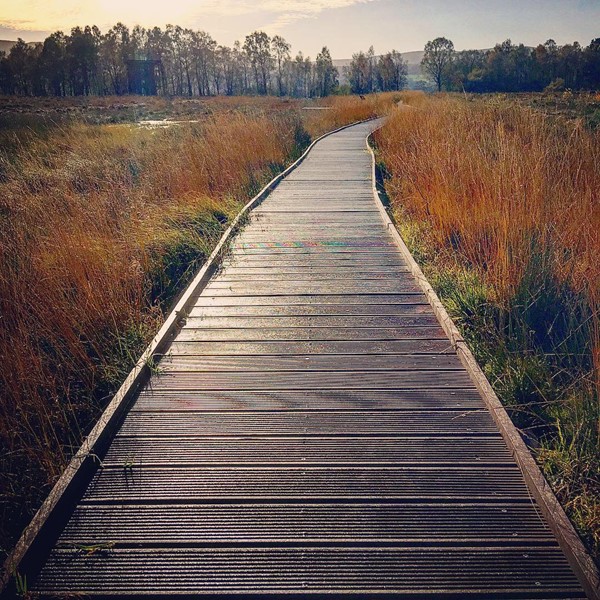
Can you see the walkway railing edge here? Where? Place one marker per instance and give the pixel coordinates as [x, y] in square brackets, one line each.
[19, 563]
[578, 557]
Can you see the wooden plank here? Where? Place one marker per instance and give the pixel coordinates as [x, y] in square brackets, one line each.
[207, 299]
[315, 334]
[213, 364]
[338, 484]
[319, 271]
[301, 310]
[275, 348]
[234, 288]
[315, 400]
[309, 423]
[492, 572]
[148, 451]
[357, 278]
[307, 524]
[323, 380]
[314, 321]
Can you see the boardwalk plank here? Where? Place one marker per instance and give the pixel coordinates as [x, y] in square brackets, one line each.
[203, 525]
[154, 400]
[365, 422]
[317, 334]
[145, 450]
[308, 362]
[267, 348]
[311, 321]
[492, 572]
[329, 484]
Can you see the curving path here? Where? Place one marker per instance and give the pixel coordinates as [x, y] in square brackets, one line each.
[310, 432]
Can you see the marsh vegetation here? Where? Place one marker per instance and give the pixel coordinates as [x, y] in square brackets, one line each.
[498, 199]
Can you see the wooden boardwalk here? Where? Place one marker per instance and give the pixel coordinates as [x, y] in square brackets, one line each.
[310, 432]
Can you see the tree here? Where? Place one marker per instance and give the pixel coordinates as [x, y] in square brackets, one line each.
[327, 74]
[53, 64]
[298, 85]
[82, 59]
[592, 64]
[20, 68]
[113, 54]
[359, 73]
[392, 72]
[180, 61]
[437, 59]
[281, 49]
[571, 64]
[258, 49]
[204, 61]
[467, 70]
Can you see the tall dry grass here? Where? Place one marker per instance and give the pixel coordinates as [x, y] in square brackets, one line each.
[341, 110]
[100, 225]
[502, 205]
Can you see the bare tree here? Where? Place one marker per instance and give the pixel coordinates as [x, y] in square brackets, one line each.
[359, 73]
[327, 74]
[281, 49]
[437, 59]
[392, 72]
[258, 48]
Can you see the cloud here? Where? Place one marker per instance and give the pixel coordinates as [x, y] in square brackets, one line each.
[288, 11]
[241, 7]
[64, 14]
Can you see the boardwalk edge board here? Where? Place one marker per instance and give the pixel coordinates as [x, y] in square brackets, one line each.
[578, 557]
[37, 536]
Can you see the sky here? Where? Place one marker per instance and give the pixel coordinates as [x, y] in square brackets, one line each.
[345, 26]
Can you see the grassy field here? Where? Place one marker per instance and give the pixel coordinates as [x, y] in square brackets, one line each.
[498, 199]
[580, 108]
[105, 213]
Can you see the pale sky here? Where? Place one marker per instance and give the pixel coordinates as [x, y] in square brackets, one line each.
[346, 26]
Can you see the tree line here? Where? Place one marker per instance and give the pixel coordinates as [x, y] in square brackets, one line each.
[181, 62]
[513, 68]
[170, 61]
[368, 73]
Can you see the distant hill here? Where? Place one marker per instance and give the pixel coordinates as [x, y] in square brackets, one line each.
[6, 45]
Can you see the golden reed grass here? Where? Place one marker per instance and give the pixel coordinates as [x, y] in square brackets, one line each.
[492, 179]
[512, 197]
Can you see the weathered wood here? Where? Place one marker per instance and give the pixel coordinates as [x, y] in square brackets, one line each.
[310, 362]
[157, 401]
[311, 380]
[356, 421]
[146, 450]
[315, 334]
[302, 310]
[307, 524]
[277, 348]
[353, 321]
[499, 572]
